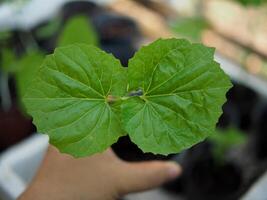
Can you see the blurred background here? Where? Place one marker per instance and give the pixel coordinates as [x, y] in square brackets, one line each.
[228, 166]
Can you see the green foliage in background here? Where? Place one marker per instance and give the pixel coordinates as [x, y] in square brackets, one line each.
[28, 67]
[8, 61]
[4, 35]
[190, 28]
[24, 68]
[49, 29]
[224, 140]
[168, 99]
[78, 30]
[252, 2]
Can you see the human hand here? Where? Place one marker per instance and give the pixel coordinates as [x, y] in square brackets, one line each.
[99, 177]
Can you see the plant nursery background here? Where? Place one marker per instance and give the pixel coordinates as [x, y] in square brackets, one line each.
[231, 164]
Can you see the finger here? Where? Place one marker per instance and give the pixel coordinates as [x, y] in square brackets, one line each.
[147, 175]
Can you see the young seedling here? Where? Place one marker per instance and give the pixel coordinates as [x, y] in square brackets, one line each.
[168, 99]
[225, 140]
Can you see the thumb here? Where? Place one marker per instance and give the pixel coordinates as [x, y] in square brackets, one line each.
[147, 175]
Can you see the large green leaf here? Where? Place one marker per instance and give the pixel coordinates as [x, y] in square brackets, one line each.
[173, 99]
[183, 91]
[69, 99]
[78, 30]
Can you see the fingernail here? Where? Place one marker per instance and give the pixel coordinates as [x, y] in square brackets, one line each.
[174, 170]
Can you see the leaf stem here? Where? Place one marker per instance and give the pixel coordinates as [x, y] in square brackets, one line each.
[143, 97]
[138, 93]
[125, 98]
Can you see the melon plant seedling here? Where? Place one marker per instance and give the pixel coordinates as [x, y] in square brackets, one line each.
[168, 99]
[224, 140]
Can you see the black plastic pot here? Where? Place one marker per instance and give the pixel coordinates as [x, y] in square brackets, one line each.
[187, 159]
[244, 100]
[258, 137]
[230, 116]
[74, 8]
[207, 181]
[111, 26]
[128, 151]
[203, 178]
[118, 35]
[46, 44]
[120, 49]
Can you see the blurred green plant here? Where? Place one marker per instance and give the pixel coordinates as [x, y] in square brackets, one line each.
[14, 1]
[16, 5]
[189, 27]
[4, 35]
[78, 30]
[24, 68]
[49, 29]
[252, 2]
[8, 60]
[27, 67]
[224, 140]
